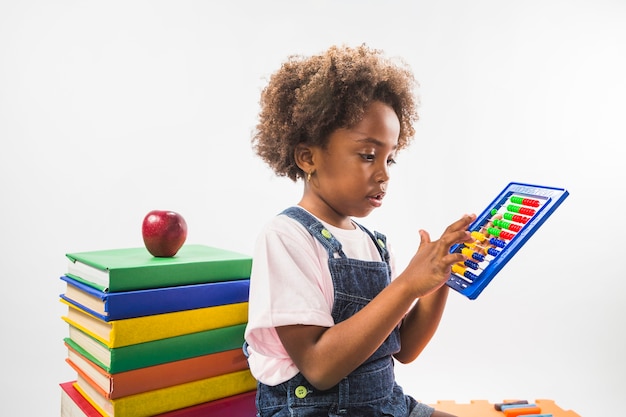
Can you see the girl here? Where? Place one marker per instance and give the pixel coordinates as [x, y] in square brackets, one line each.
[327, 312]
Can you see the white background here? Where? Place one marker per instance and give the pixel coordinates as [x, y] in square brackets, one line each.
[111, 109]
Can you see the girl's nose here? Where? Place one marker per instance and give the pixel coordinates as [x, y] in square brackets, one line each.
[383, 173]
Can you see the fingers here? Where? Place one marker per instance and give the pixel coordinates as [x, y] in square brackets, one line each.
[462, 223]
[424, 237]
[433, 260]
[457, 232]
[453, 258]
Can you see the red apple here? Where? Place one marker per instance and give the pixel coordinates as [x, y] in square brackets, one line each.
[164, 232]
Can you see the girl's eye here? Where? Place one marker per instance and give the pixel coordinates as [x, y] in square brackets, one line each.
[370, 157]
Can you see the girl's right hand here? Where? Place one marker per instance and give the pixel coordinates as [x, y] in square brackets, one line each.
[431, 266]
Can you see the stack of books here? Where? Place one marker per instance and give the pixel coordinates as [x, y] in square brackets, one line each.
[155, 336]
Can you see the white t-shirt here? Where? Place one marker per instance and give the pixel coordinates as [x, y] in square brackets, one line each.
[290, 284]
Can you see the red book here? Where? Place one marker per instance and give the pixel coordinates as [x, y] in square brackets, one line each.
[73, 404]
[240, 405]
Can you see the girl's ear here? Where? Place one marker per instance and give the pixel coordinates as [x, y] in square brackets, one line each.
[303, 155]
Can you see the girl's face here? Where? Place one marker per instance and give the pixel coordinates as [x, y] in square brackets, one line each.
[351, 174]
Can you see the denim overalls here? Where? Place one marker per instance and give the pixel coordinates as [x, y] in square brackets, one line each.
[371, 389]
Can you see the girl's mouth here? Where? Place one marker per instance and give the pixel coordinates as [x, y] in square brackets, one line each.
[376, 199]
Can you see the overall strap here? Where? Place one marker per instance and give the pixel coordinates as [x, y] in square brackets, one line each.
[317, 230]
[380, 241]
[332, 245]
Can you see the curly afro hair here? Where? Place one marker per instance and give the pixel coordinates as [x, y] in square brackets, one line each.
[310, 97]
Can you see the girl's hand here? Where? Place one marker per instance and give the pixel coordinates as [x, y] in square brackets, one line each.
[431, 266]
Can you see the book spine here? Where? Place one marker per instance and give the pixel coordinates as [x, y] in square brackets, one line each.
[147, 302]
[134, 268]
[164, 350]
[127, 332]
[150, 378]
[74, 403]
[178, 372]
[170, 299]
[184, 395]
[239, 405]
[193, 273]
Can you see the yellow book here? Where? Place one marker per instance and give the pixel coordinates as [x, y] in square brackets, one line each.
[171, 398]
[126, 332]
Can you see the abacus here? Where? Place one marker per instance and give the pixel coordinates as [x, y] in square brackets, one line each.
[499, 232]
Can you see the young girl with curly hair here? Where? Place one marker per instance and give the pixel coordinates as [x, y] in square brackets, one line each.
[328, 313]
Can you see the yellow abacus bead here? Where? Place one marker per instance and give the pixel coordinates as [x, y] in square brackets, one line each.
[458, 269]
[478, 236]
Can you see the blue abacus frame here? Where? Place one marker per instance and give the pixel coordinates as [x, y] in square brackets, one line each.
[551, 197]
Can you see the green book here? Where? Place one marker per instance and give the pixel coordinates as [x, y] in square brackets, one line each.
[130, 269]
[141, 355]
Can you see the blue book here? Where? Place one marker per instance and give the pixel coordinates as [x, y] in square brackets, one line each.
[138, 303]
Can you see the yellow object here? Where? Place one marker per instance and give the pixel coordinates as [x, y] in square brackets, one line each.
[458, 269]
[478, 236]
[126, 332]
[171, 398]
[301, 392]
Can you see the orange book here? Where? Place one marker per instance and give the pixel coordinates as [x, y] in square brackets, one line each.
[121, 384]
